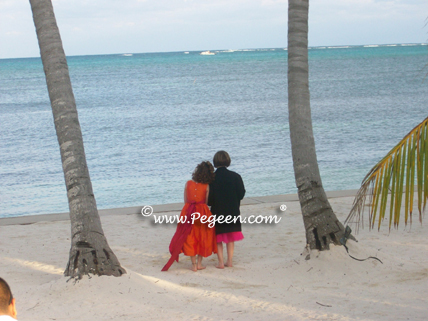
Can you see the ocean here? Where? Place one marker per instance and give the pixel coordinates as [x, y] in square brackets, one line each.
[148, 119]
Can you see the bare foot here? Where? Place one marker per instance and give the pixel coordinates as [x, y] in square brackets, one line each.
[229, 264]
[220, 266]
[201, 267]
[194, 267]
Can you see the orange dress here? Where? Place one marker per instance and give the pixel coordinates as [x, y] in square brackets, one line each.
[202, 238]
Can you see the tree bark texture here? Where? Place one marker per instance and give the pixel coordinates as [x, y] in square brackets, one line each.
[321, 224]
[90, 252]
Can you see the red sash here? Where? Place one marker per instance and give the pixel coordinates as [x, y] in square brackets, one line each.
[180, 236]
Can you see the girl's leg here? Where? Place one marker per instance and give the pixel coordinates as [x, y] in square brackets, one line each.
[220, 264]
[230, 247]
[194, 264]
[200, 267]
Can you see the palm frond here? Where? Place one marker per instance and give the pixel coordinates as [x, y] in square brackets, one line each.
[393, 177]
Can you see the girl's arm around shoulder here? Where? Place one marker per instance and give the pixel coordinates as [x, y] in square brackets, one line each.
[210, 197]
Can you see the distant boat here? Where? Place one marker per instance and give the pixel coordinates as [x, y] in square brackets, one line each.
[186, 52]
[127, 55]
[207, 53]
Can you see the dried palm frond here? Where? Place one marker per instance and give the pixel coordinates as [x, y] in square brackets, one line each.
[392, 177]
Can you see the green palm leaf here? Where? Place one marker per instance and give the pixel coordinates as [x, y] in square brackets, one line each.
[392, 177]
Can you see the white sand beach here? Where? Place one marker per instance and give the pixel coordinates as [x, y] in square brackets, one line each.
[271, 280]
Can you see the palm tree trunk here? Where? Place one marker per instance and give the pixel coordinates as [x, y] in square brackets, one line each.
[321, 224]
[90, 252]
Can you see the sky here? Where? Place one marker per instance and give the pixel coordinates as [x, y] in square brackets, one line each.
[90, 27]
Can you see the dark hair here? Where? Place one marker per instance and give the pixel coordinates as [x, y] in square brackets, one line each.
[204, 173]
[221, 158]
[6, 296]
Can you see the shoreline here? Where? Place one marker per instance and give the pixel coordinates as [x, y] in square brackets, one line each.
[160, 208]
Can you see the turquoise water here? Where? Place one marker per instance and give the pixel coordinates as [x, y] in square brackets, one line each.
[148, 119]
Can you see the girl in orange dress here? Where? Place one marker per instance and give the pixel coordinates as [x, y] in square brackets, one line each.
[197, 239]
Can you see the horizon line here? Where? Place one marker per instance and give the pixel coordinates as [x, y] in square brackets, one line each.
[242, 49]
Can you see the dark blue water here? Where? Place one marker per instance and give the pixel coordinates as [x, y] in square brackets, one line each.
[148, 119]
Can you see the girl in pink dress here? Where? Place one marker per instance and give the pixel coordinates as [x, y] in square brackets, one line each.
[226, 193]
